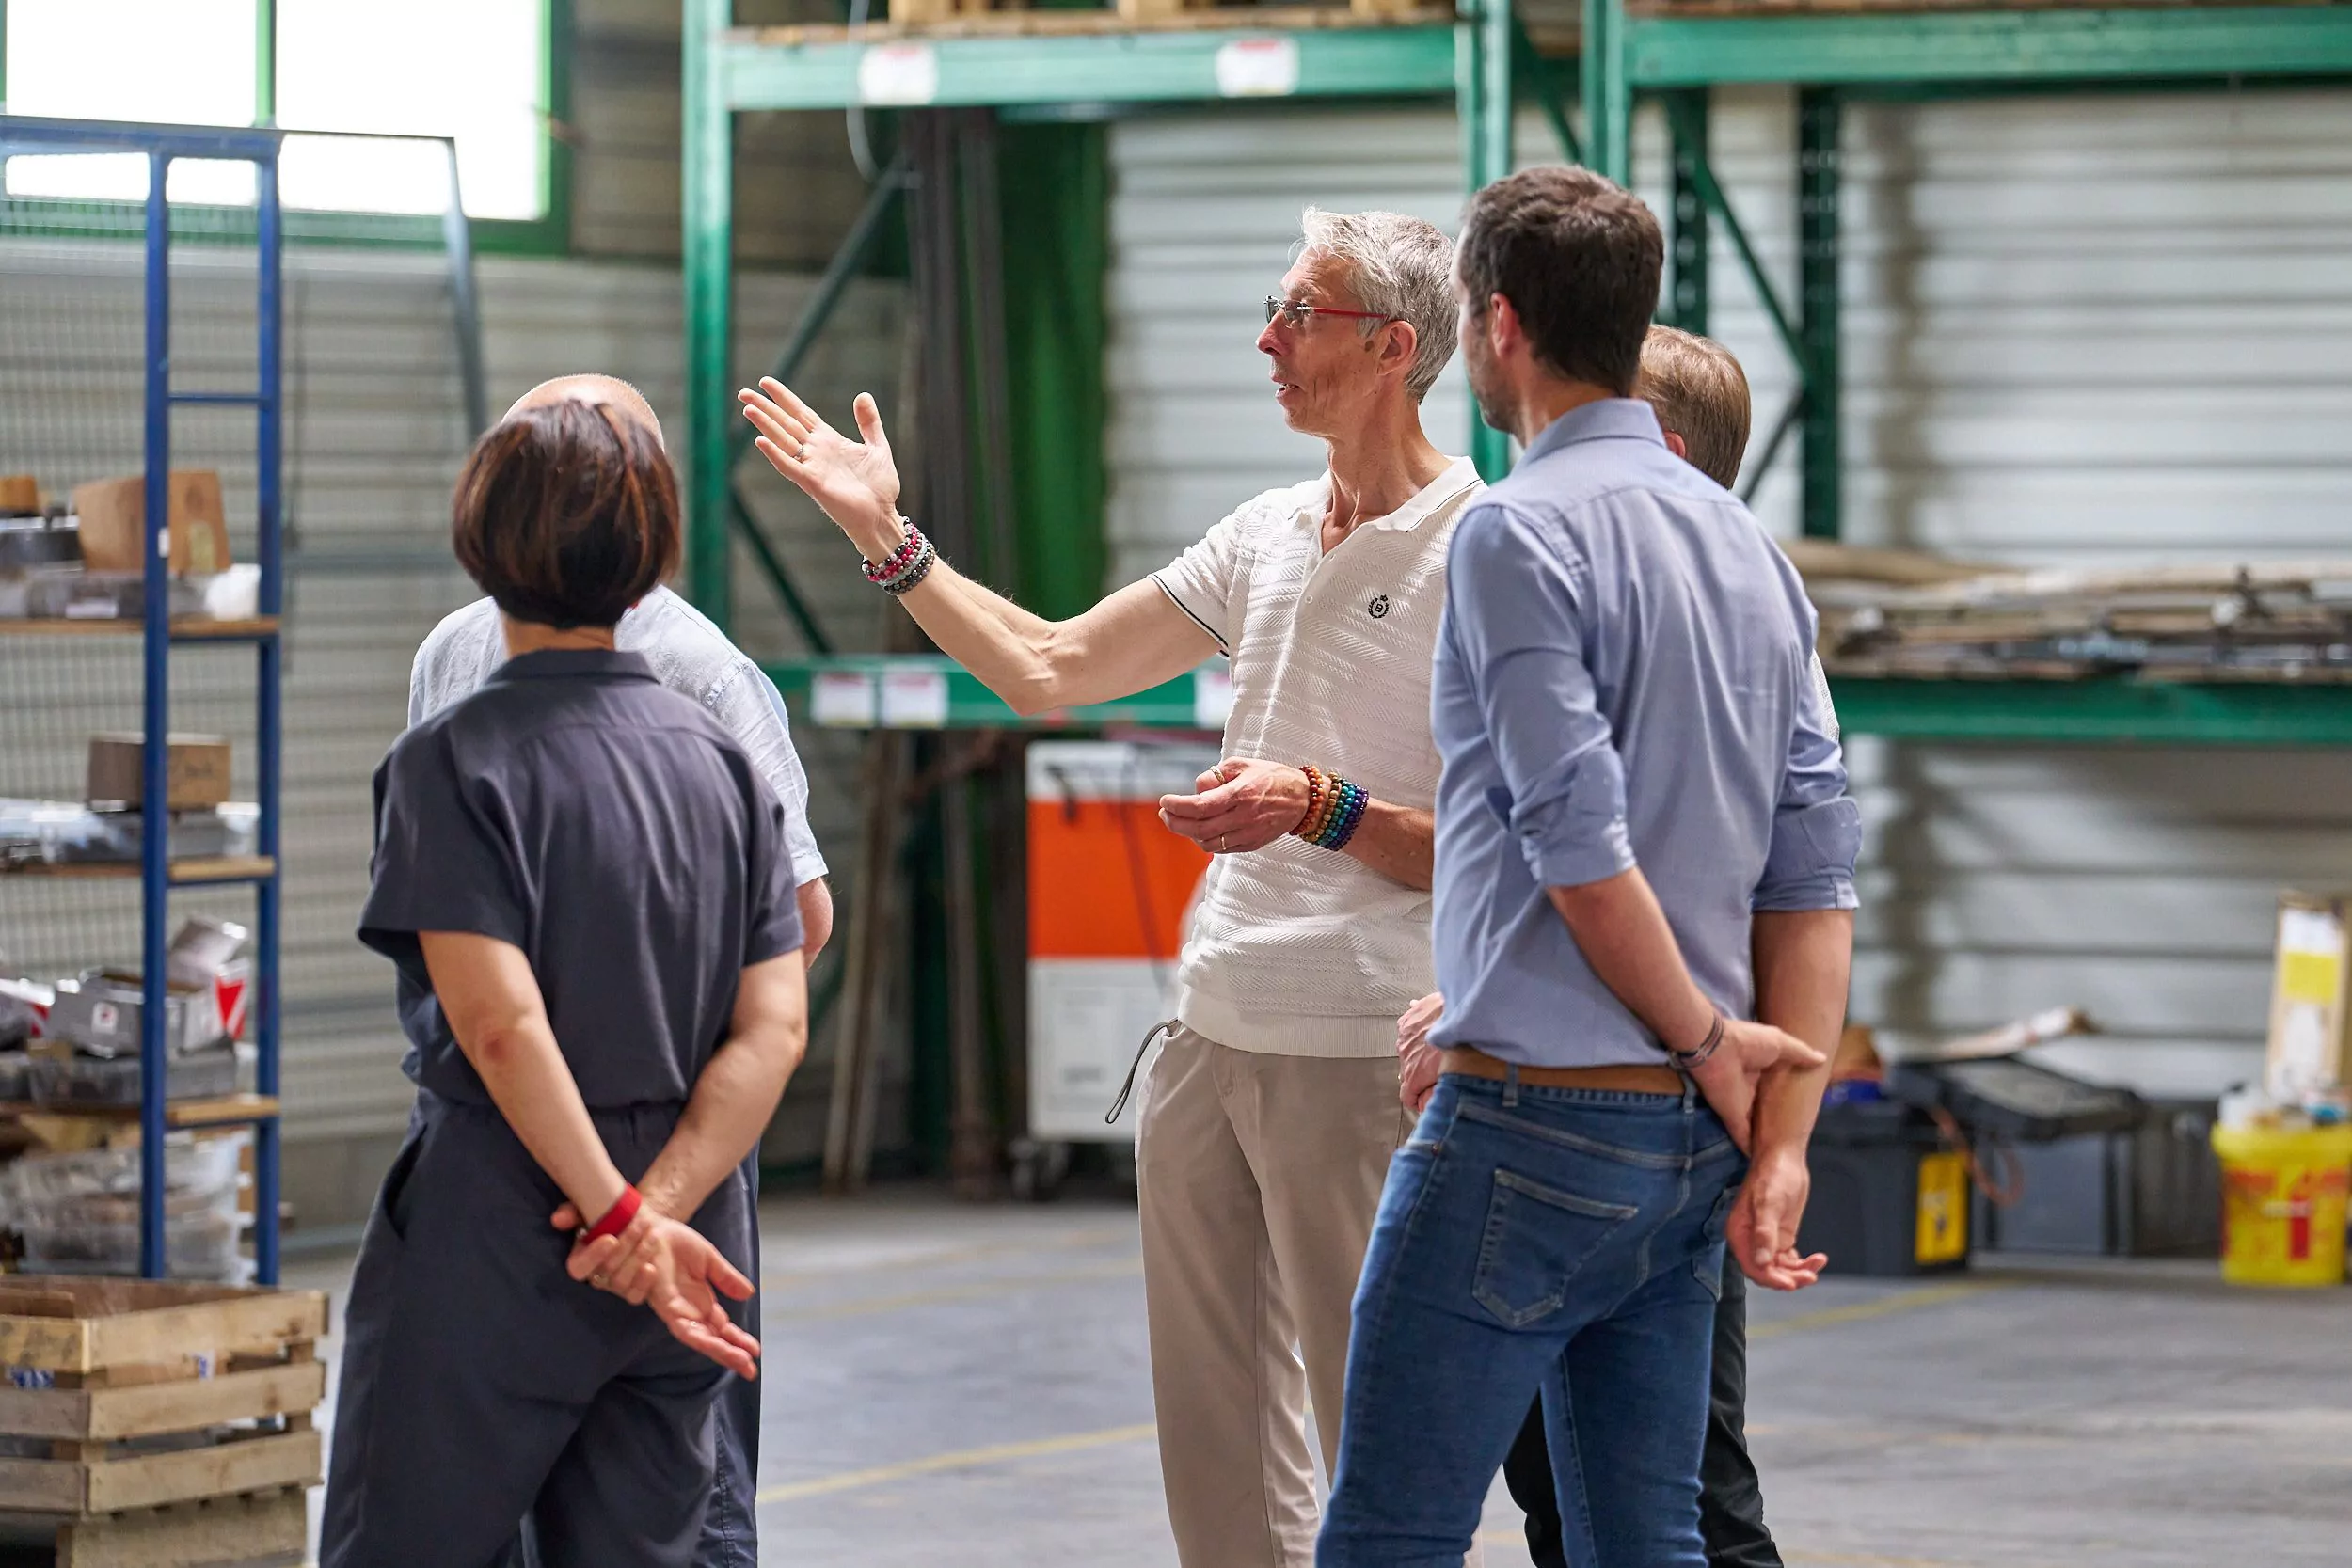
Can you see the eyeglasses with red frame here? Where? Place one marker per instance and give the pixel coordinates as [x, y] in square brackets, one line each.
[1296, 312]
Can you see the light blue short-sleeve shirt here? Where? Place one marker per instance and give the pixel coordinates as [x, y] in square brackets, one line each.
[686, 653]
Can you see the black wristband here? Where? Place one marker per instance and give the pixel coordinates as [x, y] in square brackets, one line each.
[1685, 1060]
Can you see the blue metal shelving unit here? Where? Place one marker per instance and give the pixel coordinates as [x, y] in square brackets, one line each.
[162, 145]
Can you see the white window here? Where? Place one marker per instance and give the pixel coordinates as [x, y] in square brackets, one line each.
[475, 69]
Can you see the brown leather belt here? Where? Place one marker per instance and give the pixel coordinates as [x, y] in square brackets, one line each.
[1474, 1062]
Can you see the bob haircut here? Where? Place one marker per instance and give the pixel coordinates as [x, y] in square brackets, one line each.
[566, 515]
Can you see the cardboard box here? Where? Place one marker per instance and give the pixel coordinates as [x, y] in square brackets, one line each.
[19, 493]
[112, 514]
[198, 765]
[99, 1014]
[2311, 1054]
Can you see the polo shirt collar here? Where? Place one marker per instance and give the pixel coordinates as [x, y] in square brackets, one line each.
[1459, 475]
[1611, 419]
[575, 664]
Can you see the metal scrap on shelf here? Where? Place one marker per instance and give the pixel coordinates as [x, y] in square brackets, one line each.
[1896, 612]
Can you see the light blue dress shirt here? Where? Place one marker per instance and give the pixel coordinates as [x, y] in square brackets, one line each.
[1623, 677]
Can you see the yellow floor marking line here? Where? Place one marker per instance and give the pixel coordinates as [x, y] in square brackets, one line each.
[1125, 1268]
[966, 1459]
[1886, 1306]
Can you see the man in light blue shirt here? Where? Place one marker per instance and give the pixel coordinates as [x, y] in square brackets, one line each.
[1645, 869]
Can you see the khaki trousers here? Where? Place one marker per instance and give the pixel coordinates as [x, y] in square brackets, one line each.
[1259, 1177]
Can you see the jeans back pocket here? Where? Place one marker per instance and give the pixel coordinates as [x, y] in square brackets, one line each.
[1537, 1239]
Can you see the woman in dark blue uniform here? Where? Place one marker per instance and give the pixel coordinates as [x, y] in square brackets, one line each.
[582, 884]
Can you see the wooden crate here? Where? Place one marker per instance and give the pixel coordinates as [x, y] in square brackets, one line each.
[233, 1375]
[938, 13]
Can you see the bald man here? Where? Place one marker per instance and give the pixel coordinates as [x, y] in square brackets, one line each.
[693, 657]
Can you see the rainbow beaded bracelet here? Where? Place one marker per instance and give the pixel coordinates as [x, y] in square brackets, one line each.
[1335, 808]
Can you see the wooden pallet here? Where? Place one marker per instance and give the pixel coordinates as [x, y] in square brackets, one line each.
[935, 13]
[1094, 22]
[229, 1379]
[263, 1529]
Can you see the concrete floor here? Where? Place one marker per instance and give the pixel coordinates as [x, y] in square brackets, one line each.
[969, 1385]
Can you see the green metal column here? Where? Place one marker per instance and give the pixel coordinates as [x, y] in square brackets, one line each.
[709, 212]
[264, 61]
[1818, 121]
[1608, 91]
[1482, 58]
[1685, 305]
[1054, 193]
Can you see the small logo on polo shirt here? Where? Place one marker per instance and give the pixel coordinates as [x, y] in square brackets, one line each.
[1378, 609]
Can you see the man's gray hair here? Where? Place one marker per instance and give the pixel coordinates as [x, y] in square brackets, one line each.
[1401, 266]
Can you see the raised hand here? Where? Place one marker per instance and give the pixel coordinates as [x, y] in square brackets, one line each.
[1417, 1062]
[856, 482]
[661, 1263]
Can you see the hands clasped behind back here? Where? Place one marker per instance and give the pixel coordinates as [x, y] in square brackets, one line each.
[662, 1263]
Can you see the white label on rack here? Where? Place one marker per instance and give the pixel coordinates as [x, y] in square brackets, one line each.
[90, 609]
[914, 699]
[1258, 68]
[163, 541]
[905, 73]
[842, 699]
[1211, 698]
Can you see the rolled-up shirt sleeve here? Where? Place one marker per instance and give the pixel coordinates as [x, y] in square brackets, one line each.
[746, 702]
[1512, 605]
[774, 928]
[1816, 827]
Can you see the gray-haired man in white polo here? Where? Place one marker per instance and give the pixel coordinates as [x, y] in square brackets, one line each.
[1268, 1121]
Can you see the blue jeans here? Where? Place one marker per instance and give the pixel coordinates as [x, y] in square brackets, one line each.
[1565, 1241]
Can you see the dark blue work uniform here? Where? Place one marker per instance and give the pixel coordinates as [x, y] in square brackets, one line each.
[621, 839]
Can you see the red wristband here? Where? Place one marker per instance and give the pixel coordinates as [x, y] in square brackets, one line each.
[617, 1217]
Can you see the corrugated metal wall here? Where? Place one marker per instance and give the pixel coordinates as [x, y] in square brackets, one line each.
[2077, 329]
[626, 118]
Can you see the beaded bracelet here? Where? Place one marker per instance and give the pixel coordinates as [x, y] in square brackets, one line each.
[908, 566]
[879, 573]
[1335, 808]
[924, 560]
[1350, 814]
[1315, 790]
[1326, 803]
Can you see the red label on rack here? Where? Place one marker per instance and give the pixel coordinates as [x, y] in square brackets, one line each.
[229, 997]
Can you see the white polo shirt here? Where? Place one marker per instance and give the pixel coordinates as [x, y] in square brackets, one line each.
[1294, 950]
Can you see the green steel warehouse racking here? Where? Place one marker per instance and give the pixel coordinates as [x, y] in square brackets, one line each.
[1675, 50]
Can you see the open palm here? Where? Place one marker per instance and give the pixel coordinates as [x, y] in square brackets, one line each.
[855, 482]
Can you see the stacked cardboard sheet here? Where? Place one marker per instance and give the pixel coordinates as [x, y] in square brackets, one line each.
[1889, 612]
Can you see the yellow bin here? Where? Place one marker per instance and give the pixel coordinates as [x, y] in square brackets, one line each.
[2282, 1203]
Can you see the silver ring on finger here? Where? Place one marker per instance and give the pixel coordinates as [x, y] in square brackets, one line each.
[1222, 840]
[803, 452]
[599, 1280]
